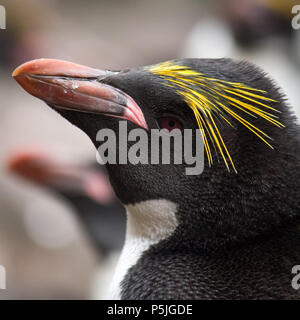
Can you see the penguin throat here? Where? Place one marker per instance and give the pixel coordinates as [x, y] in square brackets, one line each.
[153, 220]
[148, 223]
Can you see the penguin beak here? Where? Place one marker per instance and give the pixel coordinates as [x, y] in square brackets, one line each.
[70, 86]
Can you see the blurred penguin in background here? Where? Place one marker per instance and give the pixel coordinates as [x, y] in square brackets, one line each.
[87, 189]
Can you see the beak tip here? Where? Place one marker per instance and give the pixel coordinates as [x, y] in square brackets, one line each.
[16, 72]
[27, 67]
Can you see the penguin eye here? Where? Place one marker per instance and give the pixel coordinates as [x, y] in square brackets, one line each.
[170, 123]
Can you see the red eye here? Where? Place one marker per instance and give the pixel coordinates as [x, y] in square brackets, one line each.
[170, 123]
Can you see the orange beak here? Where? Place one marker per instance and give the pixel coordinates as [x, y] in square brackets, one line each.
[70, 86]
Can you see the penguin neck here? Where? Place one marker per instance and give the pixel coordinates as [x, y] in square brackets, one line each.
[151, 220]
[148, 223]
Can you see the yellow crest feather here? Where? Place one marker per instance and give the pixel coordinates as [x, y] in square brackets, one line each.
[211, 99]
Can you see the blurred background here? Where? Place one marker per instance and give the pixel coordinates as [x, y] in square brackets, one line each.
[47, 248]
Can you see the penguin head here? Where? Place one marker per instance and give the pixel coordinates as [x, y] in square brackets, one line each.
[250, 180]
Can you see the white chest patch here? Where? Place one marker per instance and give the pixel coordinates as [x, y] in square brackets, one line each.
[148, 223]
